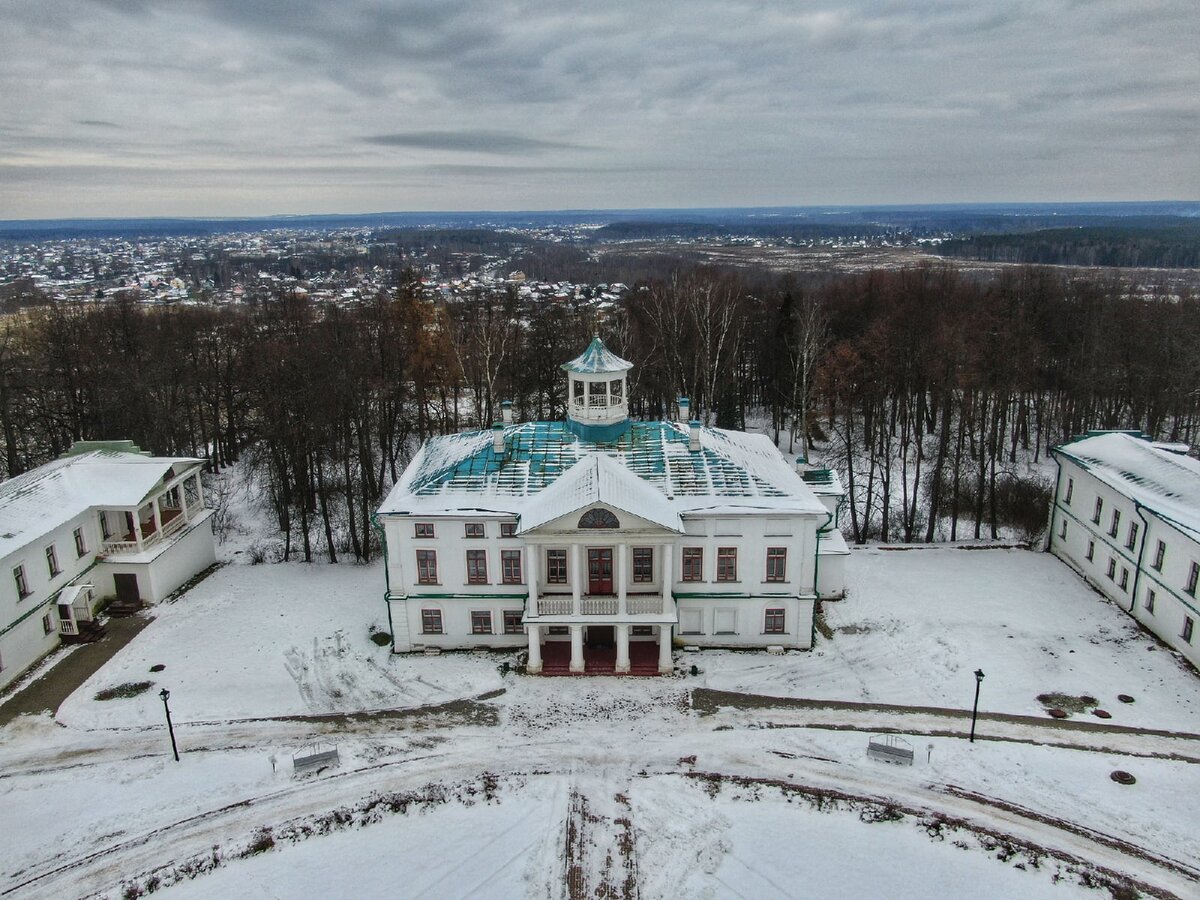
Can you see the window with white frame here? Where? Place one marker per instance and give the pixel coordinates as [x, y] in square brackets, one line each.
[22, 583]
[643, 564]
[776, 564]
[1160, 553]
[423, 529]
[477, 567]
[512, 621]
[774, 621]
[727, 564]
[510, 566]
[481, 621]
[431, 621]
[725, 621]
[427, 567]
[693, 564]
[691, 621]
[556, 566]
[508, 529]
[474, 530]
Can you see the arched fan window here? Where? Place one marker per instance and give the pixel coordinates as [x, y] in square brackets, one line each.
[598, 518]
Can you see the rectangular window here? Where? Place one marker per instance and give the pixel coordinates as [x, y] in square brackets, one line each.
[510, 566]
[423, 529]
[1124, 579]
[477, 567]
[1193, 577]
[427, 567]
[691, 621]
[22, 584]
[556, 566]
[693, 564]
[1160, 553]
[1099, 509]
[776, 563]
[80, 546]
[1091, 554]
[508, 529]
[52, 561]
[773, 621]
[105, 530]
[641, 630]
[1131, 541]
[474, 529]
[1070, 491]
[725, 621]
[431, 621]
[1062, 532]
[1112, 568]
[727, 564]
[1188, 625]
[643, 564]
[558, 630]
[1116, 523]
[1150, 598]
[48, 623]
[481, 621]
[512, 621]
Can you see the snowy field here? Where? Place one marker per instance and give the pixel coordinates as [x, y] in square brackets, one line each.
[918, 623]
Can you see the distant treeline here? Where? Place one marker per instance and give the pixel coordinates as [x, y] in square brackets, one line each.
[925, 388]
[1171, 243]
[690, 230]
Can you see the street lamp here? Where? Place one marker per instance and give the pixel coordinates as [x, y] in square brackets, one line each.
[975, 711]
[165, 694]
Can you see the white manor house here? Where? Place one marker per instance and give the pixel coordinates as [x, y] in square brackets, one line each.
[599, 542]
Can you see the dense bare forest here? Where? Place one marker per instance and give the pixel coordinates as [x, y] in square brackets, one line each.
[928, 391]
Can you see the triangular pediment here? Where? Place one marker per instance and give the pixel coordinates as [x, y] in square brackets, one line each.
[599, 481]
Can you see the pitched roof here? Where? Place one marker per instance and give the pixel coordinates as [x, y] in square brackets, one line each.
[597, 359]
[462, 472]
[1167, 483]
[35, 503]
[600, 479]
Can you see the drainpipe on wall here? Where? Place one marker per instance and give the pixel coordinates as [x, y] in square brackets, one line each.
[387, 578]
[1137, 573]
[812, 639]
[1054, 502]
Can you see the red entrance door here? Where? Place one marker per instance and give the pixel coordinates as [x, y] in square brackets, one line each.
[600, 571]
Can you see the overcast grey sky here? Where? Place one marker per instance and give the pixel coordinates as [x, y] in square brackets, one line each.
[256, 107]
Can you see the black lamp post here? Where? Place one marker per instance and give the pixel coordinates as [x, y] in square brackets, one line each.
[165, 694]
[975, 711]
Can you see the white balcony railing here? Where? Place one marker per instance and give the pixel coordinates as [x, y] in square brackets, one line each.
[598, 606]
[644, 606]
[555, 606]
[66, 626]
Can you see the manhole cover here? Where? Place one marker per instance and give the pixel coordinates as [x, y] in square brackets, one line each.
[1122, 777]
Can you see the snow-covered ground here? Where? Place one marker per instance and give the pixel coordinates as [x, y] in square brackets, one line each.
[918, 623]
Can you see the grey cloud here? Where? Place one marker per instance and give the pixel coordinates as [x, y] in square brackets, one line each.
[496, 142]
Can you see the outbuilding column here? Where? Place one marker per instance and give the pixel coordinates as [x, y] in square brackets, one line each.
[577, 664]
[665, 666]
[534, 666]
[533, 569]
[622, 649]
[668, 574]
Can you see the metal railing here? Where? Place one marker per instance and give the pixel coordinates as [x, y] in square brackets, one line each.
[66, 626]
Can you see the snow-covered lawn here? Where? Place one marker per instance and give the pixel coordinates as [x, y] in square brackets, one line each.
[918, 623]
[273, 640]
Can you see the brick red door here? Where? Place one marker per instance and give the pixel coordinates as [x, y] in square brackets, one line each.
[600, 571]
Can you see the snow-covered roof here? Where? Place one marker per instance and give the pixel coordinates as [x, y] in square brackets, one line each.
[597, 359]
[1162, 481]
[35, 503]
[731, 471]
[600, 479]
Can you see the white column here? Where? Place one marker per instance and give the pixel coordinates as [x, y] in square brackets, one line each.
[577, 648]
[199, 491]
[533, 568]
[576, 579]
[183, 504]
[156, 516]
[622, 577]
[622, 649]
[137, 527]
[534, 666]
[665, 666]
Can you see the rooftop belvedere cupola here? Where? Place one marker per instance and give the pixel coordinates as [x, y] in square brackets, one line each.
[597, 393]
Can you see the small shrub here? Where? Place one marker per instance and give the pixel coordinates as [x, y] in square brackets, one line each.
[381, 638]
[262, 841]
[125, 691]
